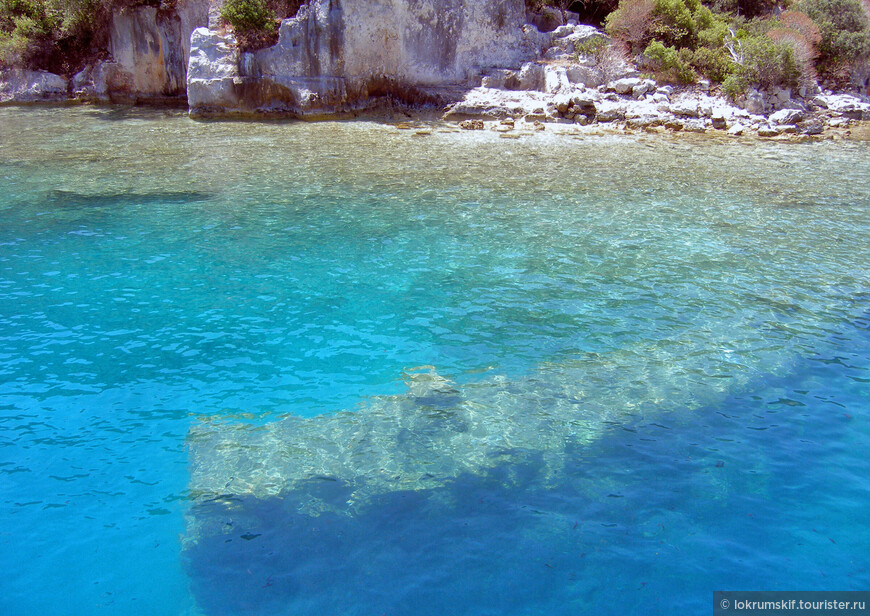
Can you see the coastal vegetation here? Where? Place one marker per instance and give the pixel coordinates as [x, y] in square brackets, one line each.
[687, 40]
[735, 43]
[255, 22]
[56, 35]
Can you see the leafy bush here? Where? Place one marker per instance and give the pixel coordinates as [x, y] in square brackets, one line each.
[713, 63]
[844, 31]
[676, 23]
[763, 63]
[592, 47]
[22, 25]
[247, 16]
[672, 63]
[57, 35]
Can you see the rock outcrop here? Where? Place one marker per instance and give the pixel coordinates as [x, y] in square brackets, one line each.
[149, 52]
[340, 55]
[23, 86]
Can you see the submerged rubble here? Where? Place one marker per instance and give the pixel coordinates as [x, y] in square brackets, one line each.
[438, 430]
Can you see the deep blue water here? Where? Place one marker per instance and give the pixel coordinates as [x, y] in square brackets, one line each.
[658, 357]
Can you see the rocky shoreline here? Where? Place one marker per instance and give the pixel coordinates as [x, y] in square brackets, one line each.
[569, 89]
[546, 83]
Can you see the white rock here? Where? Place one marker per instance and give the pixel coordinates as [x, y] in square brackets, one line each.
[787, 116]
[581, 33]
[686, 108]
[327, 56]
[556, 79]
[642, 88]
[736, 130]
[94, 82]
[585, 75]
[214, 63]
[531, 76]
[563, 31]
[638, 91]
[556, 53]
[151, 51]
[754, 102]
[23, 86]
[625, 85]
[782, 94]
[496, 79]
[562, 102]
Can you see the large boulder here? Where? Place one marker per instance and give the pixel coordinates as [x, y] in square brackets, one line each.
[787, 116]
[23, 86]
[531, 77]
[625, 85]
[213, 72]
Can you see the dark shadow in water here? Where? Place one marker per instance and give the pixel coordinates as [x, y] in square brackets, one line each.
[123, 113]
[426, 553]
[69, 199]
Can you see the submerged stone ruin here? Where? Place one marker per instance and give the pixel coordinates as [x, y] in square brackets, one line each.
[438, 430]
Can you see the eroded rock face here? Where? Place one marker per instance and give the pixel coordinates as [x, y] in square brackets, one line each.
[150, 51]
[151, 48]
[337, 55]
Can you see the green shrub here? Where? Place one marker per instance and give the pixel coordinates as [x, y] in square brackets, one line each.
[593, 47]
[713, 63]
[246, 16]
[672, 64]
[676, 23]
[845, 32]
[714, 34]
[57, 35]
[763, 63]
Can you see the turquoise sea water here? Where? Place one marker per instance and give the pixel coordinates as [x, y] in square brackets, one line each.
[646, 368]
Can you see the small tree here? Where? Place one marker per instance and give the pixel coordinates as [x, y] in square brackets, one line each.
[630, 23]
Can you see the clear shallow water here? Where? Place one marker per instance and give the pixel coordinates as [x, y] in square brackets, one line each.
[656, 355]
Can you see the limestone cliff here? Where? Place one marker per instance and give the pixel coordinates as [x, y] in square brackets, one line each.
[149, 52]
[338, 55]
